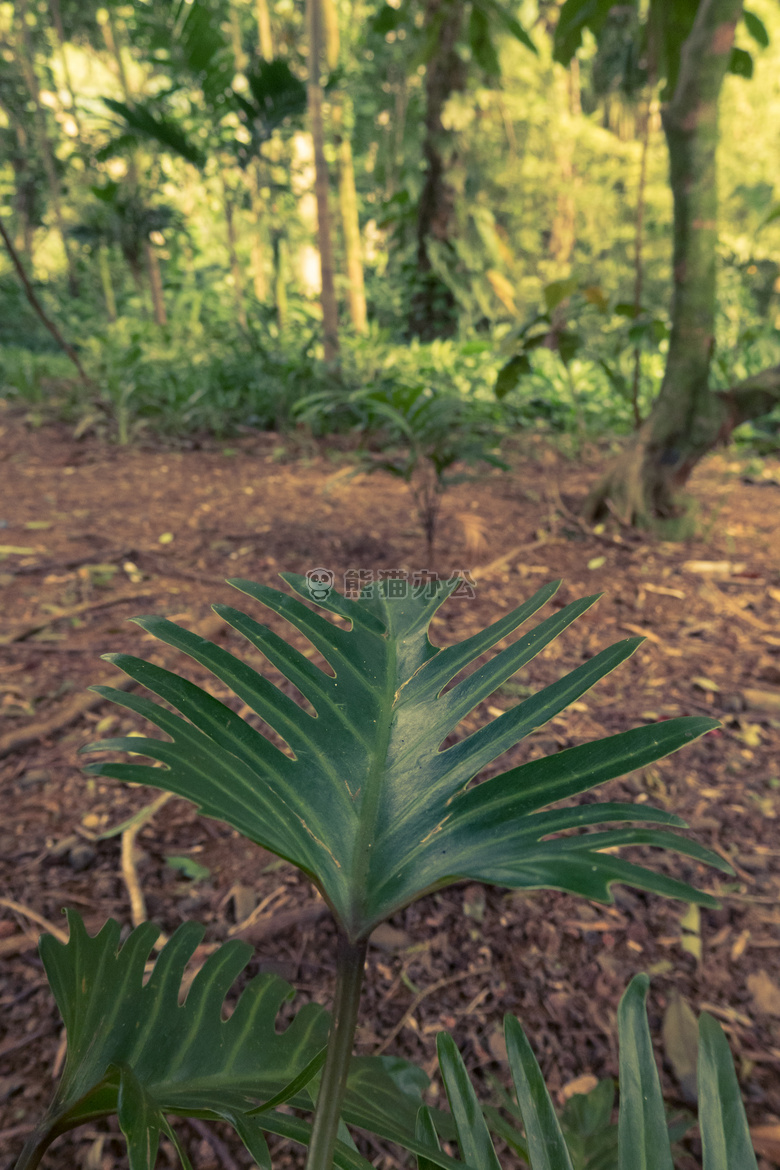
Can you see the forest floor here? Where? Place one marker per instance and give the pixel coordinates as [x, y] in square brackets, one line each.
[93, 535]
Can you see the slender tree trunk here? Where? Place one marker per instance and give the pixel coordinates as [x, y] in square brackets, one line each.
[151, 259]
[239, 56]
[280, 282]
[265, 41]
[26, 61]
[56, 19]
[155, 283]
[330, 322]
[258, 256]
[639, 268]
[235, 267]
[105, 280]
[433, 305]
[564, 225]
[350, 223]
[687, 419]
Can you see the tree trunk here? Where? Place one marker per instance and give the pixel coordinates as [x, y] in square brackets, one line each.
[280, 282]
[330, 321]
[265, 41]
[687, 419]
[26, 62]
[563, 232]
[433, 305]
[104, 265]
[235, 267]
[350, 223]
[155, 283]
[639, 267]
[56, 18]
[258, 255]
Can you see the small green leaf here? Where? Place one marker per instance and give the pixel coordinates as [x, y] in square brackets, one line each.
[643, 1141]
[510, 374]
[558, 291]
[474, 1141]
[756, 28]
[724, 1129]
[547, 1148]
[189, 867]
[135, 1050]
[741, 63]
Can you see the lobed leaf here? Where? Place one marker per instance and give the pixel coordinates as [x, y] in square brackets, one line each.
[365, 799]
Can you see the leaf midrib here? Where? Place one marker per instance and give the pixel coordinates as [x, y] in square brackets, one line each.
[369, 809]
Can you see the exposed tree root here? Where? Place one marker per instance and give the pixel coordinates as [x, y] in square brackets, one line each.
[640, 486]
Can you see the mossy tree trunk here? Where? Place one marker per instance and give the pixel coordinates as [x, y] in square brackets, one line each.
[432, 311]
[330, 319]
[688, 419]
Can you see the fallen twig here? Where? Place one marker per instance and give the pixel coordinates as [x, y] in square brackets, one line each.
[129, 871]
[34, 916]
[72, 611]
[22, 737]
[413, 1006]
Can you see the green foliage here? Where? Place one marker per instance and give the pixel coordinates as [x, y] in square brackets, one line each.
[135, 1050]
[368, 805]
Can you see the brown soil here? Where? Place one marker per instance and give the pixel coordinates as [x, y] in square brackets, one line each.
[90, 526]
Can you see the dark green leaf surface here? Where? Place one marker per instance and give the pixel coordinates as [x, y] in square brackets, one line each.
[367, 800]
[133, 1049]
[725, 1136]
[476, 1145]
[643, 1140]
[546, 1146]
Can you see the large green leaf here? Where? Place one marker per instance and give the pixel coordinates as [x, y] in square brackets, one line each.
[366, 800]
[135, 1050]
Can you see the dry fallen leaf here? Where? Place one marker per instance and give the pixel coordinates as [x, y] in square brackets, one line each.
[765, 993]
[583, 1084]
[680, 1033]
[766, 1141]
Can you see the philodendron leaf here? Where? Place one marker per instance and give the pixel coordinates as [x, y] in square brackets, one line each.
[366, 801]
[135, 1050]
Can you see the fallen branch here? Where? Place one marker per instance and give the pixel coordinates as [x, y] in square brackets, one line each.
[22, 737]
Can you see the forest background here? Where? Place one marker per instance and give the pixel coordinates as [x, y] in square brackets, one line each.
[255, 215]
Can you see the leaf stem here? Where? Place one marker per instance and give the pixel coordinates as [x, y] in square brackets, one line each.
[349, 979]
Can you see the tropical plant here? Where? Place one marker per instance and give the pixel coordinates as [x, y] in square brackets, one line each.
[364, 801]
[426, 432]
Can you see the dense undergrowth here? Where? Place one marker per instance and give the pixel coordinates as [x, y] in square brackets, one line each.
[202, 374]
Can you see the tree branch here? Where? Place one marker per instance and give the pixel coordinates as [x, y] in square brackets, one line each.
[36, 304]
[752, 398]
